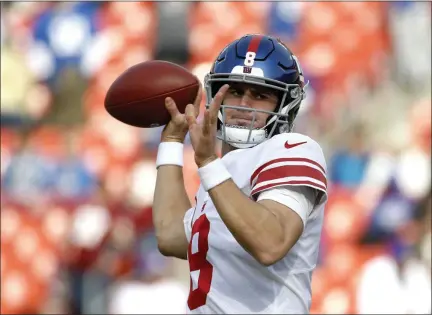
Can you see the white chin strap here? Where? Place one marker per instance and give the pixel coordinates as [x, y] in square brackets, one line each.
[237, 136]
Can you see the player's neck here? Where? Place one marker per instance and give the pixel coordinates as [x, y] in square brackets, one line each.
[227, 148]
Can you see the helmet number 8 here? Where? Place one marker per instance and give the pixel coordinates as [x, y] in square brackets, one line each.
[250, 59]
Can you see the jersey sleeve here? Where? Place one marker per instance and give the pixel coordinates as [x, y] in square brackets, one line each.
[300, 199]
[290, 160]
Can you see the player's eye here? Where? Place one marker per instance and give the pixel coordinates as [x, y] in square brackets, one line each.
[235, 92]
[260, 96]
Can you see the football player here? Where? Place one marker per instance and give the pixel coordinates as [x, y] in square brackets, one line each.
[252, 239]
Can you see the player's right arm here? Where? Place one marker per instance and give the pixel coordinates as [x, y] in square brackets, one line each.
[171, 201]
[169, 207]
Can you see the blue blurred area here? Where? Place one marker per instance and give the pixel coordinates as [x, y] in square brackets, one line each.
[348, 168]
[77, 22]
[283, 20]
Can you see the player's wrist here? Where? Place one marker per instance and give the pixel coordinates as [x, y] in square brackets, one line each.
[202, 163]
[173, 138]
[170, 153]
[213, 174]
[164, 140]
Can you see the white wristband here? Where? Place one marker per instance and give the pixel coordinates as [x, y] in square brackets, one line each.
[170, 153]
[213, 174]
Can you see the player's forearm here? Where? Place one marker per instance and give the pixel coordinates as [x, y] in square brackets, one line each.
[255, 227]
[170, 198]
[170, 204]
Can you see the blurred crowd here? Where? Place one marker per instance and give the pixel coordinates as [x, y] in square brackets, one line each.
[77, 185]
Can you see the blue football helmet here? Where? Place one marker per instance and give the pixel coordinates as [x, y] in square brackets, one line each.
[260, 60]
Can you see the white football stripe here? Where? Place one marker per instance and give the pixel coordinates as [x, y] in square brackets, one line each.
[290, 178]
[310, 184]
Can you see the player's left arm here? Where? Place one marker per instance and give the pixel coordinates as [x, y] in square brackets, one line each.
[266, 229]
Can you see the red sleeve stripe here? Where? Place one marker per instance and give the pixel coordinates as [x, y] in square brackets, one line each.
[289, 182]
[259, 169]
[287, 171]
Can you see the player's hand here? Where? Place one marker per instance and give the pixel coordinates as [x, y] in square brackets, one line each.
[177, 128]
[203, 134]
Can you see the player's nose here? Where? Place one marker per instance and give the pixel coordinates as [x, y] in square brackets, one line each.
[246, 100]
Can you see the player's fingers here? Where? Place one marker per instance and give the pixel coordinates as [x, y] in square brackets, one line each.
[198, 99]
[216, 103]
[190, 115]
[207, 123]
[171, 107]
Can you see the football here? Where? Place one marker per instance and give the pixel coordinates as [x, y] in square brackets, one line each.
[137, 96]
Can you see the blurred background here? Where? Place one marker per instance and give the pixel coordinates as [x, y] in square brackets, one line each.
[77, 185]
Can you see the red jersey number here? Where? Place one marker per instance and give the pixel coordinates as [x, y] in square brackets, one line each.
[198, 261]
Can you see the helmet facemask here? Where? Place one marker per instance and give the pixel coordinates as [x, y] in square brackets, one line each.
[279, 121]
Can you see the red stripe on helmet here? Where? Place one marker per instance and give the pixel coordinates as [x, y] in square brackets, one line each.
[254, 43]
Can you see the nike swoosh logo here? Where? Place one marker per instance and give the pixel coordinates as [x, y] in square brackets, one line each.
[290, 146]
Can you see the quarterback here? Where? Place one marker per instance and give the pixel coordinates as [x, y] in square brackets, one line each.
[252, 238]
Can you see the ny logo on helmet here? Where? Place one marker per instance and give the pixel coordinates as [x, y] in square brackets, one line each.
[247, 70]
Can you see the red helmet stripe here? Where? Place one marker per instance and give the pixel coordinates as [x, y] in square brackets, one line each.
[254, 43]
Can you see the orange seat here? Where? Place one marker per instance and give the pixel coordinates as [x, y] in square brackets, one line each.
[29, 258]
[343, 45]
[345, 220]
[214, 24]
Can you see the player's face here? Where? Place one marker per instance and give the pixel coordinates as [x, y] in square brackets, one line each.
[249, 96]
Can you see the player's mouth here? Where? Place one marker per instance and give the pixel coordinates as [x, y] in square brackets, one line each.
[243, 123]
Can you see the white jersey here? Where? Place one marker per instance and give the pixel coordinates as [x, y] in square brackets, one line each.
[225, 279]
